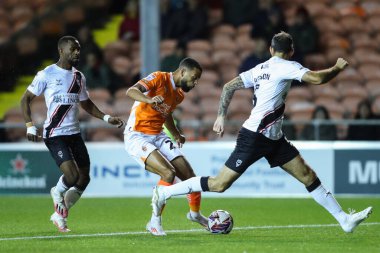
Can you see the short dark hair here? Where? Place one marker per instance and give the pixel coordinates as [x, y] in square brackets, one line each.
[282, 42]
[65, 39]
[190, 63]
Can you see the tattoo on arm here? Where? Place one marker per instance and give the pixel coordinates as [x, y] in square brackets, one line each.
[227, 93]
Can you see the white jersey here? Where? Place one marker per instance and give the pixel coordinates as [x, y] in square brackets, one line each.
[63, 90]
[271, 82]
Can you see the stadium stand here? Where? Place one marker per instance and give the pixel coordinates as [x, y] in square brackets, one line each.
[347, 28]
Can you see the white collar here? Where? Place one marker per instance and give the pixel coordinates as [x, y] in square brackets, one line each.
[172, 81]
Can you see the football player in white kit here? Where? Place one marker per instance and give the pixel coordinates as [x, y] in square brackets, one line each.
[261, 135]
[64, 88]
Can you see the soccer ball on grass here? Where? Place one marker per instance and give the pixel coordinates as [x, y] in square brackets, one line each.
[220, 222]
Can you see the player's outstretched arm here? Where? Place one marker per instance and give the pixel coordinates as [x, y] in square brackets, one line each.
[325, 75]
[31, 132]
[93, 110]
[225, 99]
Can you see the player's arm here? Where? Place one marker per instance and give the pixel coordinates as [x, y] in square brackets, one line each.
[325, 75]
[225, 99]
[171, 126]
[31, 132]
[93, 110]
[136, 92]
[25, 105]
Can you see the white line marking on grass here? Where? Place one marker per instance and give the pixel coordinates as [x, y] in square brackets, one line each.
[176, 231]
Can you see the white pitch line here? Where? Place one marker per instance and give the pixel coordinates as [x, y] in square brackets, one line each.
[177, 231]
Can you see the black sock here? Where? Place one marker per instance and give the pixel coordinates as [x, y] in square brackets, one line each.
[314, 185]
[204, 184]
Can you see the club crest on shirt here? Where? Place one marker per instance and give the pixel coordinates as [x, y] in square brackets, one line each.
[58, 82]
[238, 162]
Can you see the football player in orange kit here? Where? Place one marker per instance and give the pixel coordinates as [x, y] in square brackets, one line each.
[156, 96]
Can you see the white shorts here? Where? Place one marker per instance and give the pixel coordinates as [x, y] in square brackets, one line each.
[139, 146]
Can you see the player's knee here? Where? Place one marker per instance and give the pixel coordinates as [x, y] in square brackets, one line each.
[86, 180]
[83, 182]
[71, 178]
[168, 175]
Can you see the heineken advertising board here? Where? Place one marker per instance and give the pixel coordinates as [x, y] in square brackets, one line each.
[27, 172]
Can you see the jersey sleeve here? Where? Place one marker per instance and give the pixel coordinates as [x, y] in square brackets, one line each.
[38, 84]
[247, 78]
[83, 95]
[296, 71]
[151, 81]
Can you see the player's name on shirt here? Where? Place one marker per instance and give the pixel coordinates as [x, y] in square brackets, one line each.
[264, 76]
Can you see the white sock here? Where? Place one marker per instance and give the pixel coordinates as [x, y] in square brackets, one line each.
[155, 219]
[72, 196]
[188, 186]
[327, 200]
[61, 188]
[195, 214]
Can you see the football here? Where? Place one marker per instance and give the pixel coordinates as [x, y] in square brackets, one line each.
[220, 222]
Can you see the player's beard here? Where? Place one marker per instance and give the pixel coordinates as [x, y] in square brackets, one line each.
[74, 62]
[184, 87]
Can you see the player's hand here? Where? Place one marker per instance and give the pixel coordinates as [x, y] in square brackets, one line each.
[341, 63]
[157, 100]
[32, 134]
[219, 126]
[116, 121]
[180, 140]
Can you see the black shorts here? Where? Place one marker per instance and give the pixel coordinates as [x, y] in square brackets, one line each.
[68, 147]
[251, 146]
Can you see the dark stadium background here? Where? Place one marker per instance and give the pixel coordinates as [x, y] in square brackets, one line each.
[226, 37]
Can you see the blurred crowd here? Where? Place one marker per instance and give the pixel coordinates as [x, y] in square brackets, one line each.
[227, 37]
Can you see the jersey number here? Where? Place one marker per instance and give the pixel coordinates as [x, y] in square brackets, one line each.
[170, 143]
[254, 100]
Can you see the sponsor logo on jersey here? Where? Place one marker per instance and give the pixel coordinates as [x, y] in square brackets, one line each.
[163, 108]
[67, 99]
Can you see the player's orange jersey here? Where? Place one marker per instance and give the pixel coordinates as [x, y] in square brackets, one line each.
[149, 118]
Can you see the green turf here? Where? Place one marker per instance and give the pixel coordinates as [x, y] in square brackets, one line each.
[29, 216]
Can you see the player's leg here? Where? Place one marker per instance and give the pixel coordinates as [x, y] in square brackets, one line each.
[185, 171]
[141, 147]
[158, 164]
[220, 183]
[248, 149]
[288, 158]
[298, 168]
[62, 155]
[82, 159]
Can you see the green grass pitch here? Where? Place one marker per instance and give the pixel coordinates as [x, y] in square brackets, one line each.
[118, 225]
